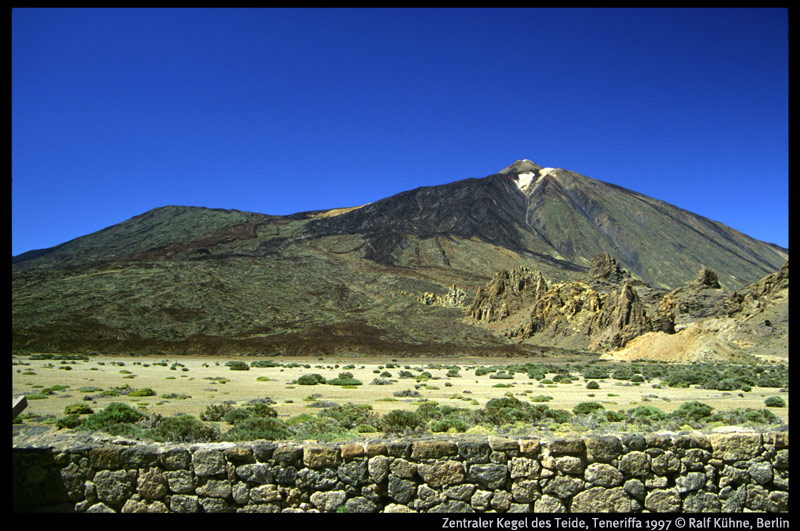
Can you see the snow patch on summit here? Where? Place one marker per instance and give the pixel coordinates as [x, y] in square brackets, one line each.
[524, 179]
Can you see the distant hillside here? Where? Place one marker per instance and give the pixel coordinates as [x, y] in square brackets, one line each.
[349, 280]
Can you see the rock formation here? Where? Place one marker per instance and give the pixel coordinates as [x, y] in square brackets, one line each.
[455, 297]
[602, 312]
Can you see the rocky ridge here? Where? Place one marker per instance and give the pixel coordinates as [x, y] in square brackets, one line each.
[608, 309]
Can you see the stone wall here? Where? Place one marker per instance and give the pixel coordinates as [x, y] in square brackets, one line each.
[664, 472]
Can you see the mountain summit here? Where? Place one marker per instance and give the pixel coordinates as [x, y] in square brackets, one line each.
[351, 279]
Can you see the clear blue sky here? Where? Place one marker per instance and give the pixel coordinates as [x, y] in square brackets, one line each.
[118, 111]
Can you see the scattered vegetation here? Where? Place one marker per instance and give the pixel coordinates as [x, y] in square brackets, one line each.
[775, 401]
[515, 412]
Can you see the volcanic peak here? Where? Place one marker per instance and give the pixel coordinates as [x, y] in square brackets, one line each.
[520, 166]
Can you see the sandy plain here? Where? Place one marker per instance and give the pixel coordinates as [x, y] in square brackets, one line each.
[207, 380]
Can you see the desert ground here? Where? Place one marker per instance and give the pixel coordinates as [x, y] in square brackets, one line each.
[188, 384]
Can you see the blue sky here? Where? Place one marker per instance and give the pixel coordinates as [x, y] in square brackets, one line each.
[118, 111]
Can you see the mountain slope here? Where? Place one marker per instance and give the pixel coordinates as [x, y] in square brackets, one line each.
[350, 280]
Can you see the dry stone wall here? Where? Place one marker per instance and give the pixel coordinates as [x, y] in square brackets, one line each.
[654, 472]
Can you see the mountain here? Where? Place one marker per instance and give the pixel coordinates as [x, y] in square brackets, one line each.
[394, 276]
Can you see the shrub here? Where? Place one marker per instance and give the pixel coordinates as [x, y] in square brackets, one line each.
[745, 416]
[557, 415]
[70, 421]
[592, 385]
[585, 408]
[506, 410]
[236, 415]
[407, 392]
[78, 409]
[647, 414]
[400, 421]
[449, 423]
[693, 411]
[596, 372]
[345, 378]
[263, 410]
[623, 372]
[349, 416]
[614, 416]
[775, 401]
[540, 398]
[144, 391]
[305, 426]
[310, 379]
[264, 364]
[238, 366]
[215, 412]
[183, 428]
[117, 419]
[258, 428]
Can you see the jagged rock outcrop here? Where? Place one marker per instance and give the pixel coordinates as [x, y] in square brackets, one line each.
[715, 325]
[756, 296]
[506, 293]
[455, 297]
[604, 267]
[696, 300]
[622, 318]
[601, 313]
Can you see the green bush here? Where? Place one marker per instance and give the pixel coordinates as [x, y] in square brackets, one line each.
[71, 421]
[540, 398]
[144, 391]
[117, 419]
[310, 379]
[595, 372]
[258, 428]
[557, 415]
[263, 410]
[585, 408]
[238, 366]
[262, 364]
[345, 378]
[446, 424]
[646, 414]
[349, 416]
[305, 426]
[692, 411]
[183, 428]
[741, 416]
[78, 409]
[775, 401]
[508, 409]
[624, 372]
[593, 385]
[400, 421]
[236, 415]
[215, 412]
